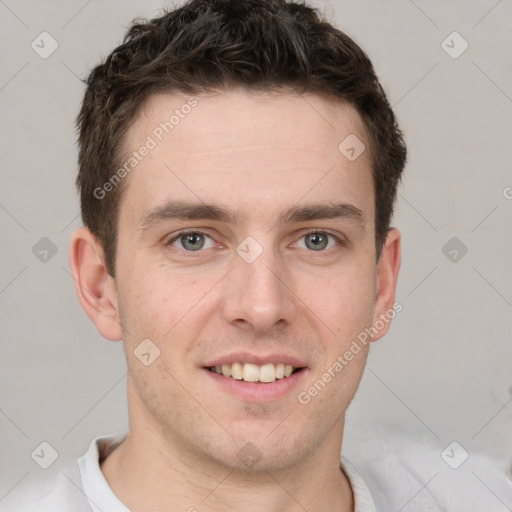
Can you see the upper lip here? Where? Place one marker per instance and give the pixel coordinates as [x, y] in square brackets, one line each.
[257, 359]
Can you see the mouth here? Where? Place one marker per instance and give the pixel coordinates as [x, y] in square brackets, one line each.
[249, 372]
[254, 378]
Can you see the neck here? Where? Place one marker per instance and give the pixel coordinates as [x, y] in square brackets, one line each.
[148, 474]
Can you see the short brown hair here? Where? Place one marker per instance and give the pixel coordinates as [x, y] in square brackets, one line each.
[208, 45]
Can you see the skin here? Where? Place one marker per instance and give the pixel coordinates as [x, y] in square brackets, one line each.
[257, 154]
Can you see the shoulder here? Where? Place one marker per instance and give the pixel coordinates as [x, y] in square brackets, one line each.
[64, 491]
[59, 493]
[423, 475]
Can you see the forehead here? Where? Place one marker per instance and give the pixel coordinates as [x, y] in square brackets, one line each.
[247, 149]
[214, 120]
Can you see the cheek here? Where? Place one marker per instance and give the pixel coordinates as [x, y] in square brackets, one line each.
[149, 295]
[162, 307]
[345, 302]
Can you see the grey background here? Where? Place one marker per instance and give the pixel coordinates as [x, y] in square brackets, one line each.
[444, 371]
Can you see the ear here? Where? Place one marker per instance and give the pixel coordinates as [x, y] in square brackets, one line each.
[387, 276]
[94, 287]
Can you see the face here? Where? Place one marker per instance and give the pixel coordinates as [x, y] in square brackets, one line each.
[246, 251]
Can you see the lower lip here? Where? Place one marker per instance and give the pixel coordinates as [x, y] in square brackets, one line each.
[258, 391]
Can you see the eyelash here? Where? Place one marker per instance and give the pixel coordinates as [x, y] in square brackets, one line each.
[338, 240]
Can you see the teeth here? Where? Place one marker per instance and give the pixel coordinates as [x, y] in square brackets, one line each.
[249, 372]
[226, 370]
[236, 371]
[267, 373]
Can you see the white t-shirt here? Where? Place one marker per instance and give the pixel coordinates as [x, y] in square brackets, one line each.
[81, 486]
[411, 478]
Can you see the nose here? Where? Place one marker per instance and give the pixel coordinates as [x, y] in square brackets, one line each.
[258, 296]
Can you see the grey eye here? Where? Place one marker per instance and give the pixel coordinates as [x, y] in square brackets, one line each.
[316, 241]
[191, 241]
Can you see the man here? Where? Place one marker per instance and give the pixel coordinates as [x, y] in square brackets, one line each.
[238, 168]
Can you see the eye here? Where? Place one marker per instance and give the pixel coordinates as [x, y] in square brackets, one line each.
[318, 241]
[192, 241]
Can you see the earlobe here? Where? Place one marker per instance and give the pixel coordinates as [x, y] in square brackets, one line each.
[94, 287]
[388, 267]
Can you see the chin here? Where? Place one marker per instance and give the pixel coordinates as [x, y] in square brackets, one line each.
[258, 454]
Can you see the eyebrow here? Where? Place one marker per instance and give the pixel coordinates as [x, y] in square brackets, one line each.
[323, 211]
[180, 210]
[176, 210]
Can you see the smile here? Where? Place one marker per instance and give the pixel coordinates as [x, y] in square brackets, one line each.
[249, 372]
